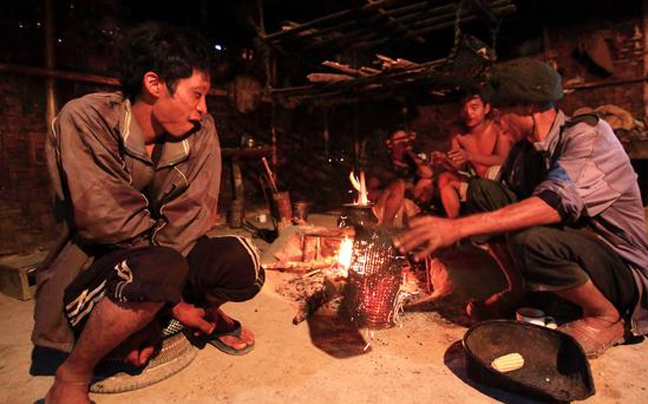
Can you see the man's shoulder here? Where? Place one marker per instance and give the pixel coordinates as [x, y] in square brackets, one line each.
[587, 126]
[587, 120]
[207, 128]
[104, 105]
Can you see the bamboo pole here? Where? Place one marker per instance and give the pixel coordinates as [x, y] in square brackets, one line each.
[443, 13]
[329, 18]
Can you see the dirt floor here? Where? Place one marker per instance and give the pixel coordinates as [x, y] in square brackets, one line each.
[324, 359]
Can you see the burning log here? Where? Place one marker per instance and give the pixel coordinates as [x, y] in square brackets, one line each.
[331, 289]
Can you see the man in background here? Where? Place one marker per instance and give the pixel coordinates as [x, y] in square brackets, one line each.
[478, 146]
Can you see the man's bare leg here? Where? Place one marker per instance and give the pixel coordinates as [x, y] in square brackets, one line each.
[108, 326]
[500, 252]
[598, 311]
[449, 193]
[501, 303]
[393, 202]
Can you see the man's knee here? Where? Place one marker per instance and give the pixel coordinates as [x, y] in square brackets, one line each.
[397, 187]
[225, 268]
[243, 260]
[487, 195]
[531, 242]
[153, 273]
[446, 179]
[546, 258]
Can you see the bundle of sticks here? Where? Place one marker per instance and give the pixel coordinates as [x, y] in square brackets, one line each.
[282, 211]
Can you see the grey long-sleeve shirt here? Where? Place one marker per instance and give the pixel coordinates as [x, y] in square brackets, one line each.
[109, 193]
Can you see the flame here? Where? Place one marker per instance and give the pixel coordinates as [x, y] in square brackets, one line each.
[361, 186]
[345, 252]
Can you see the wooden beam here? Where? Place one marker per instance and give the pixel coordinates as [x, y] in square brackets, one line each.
[606, 83]
[74, 76]
[328, 18]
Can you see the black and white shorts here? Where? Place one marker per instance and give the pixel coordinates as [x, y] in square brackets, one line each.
[223, 268]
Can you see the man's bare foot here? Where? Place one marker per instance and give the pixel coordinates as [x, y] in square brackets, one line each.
[69, 387]
[137, 350]
[497, 306]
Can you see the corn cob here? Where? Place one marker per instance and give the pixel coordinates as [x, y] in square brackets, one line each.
[508, 363]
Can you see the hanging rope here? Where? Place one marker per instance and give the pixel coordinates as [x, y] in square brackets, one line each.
[457, 30]
[494, 32]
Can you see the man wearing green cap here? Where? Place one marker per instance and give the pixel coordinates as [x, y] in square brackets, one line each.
[568, 208]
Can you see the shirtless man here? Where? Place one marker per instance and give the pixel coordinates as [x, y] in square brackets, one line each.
[477, 144]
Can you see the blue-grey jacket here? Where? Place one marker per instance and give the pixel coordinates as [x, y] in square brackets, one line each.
[589, 176]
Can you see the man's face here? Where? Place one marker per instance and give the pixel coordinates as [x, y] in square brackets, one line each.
[474, 111]
[400, 143]
[517, 122]
[179, 113]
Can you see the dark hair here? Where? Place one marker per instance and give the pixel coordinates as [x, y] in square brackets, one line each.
[468, 92]
[171, 52]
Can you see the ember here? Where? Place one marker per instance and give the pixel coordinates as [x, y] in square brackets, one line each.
[345, 254]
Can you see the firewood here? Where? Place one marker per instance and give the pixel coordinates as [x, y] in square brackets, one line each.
[331, 289]
[340, 67]
[300, 267]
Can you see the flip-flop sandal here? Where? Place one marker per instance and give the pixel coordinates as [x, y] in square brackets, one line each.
[235, 332]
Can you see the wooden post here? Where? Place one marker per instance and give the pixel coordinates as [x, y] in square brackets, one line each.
[51, 108]
[325, 133]
[644, 15]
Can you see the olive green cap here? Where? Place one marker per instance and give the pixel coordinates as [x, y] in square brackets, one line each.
[523, 81]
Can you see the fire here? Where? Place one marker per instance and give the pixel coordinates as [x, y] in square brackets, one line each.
[345, 253]
[361, 186]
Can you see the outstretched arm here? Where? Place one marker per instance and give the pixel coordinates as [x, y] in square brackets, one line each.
[427, 234]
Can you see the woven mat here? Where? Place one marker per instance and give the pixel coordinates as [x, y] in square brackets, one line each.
[176, 354]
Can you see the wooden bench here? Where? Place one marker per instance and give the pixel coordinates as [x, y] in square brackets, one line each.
[17, 274]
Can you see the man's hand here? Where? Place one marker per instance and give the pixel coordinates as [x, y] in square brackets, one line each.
[441, 159]
[426, 235]
[458, 156]
[193, 317]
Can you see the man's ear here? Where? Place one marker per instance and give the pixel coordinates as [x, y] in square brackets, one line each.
[152, 84]
[487, 108]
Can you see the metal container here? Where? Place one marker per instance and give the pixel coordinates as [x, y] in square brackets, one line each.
[300, 211]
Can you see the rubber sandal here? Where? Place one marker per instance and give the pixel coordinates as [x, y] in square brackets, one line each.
[235, 332]
[594, 341]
